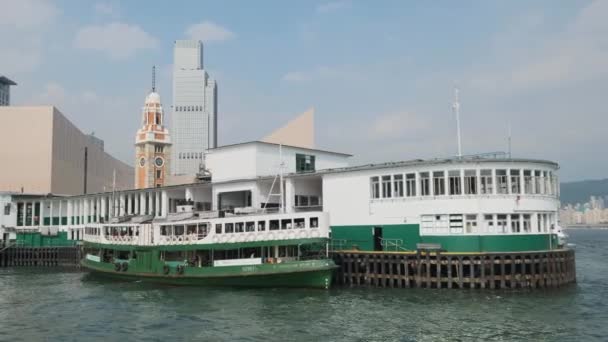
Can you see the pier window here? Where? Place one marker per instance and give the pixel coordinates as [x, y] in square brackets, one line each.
[239, 227]
[398, 185]
[470, 182]
[410, 184]
[455, 183]
[386, 186]
[471, 223]
[439, 183]
[549, 180]
[229, 228]
[250, 226]
[456, 226]
[299, 223]
[501, 223]
[515, 224]
[528, 182]
[515, 183]
[488, 222]
[274, 225]
[545, 181]
[286, 224]
[527, 223]
[305, 163]
[261, 226]
[314, 222]
[425, 187]
[486, 181]
[375, 187]
[501, 182]
[218, 228]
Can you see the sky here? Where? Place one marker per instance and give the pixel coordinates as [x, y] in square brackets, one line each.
[380, 75]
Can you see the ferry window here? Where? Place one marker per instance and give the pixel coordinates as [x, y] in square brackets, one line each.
[386, 186]
[7, 209]
[471, 224]
[313, 200]
[439, 183]
[424, 184]
[178, 230]
[454, 181]
[501, 223]
[527, 182]
[305, 163]
[375, 187]
[470, 182]
[286, 224]
[515, 183]
[488, 223]
[527, 223]
[191, 229]
[261, 226]
[301, 201]
[486, 181]
[545, 181]
[250, 226]
[274, 225]
[410, 184]
[299, 223]
[218, 228]
[314, 222]
[536, 182]
[549, 181]
[501, 182]
[398, 185]
[515, 224]
[229, 227]
[239, 227]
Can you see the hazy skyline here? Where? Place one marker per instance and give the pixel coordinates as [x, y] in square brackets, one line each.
[380, 77]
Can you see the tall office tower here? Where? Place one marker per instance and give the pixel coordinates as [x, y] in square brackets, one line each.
[5, 91]
[194, 120]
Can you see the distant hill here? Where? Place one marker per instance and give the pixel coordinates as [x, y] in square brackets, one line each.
[579, 192]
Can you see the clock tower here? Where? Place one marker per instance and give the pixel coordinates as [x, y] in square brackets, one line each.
[152, 144]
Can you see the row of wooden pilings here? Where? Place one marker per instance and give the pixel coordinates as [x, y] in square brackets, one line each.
[546, 269]
[40, 256]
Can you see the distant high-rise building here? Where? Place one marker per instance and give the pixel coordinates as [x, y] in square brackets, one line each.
[194, 120]
[5, 91]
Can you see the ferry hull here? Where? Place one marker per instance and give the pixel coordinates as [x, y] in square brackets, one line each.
[311, 275]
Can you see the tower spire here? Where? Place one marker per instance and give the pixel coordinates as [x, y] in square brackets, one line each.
[154, 78]
[456, 108]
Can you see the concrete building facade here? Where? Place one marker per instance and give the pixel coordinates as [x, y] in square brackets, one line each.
[194, 121]
[45, 153]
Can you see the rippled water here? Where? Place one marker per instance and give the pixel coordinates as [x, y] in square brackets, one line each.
[63, 306]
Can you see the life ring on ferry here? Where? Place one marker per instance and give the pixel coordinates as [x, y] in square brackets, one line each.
[124, 267]
[117, 266]
[166, 269]
[180, 269]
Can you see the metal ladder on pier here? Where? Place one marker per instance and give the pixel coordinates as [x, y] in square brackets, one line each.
[394, 245]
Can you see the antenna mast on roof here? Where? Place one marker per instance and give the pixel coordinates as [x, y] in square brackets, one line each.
[509, 138]
[154, 78]
[456, 108]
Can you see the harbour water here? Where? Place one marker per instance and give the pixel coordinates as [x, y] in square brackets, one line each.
[47, 305]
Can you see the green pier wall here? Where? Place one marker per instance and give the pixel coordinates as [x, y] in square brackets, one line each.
[362, 237]
[39, 240]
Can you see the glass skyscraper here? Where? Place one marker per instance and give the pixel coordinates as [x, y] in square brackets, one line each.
[194, 120]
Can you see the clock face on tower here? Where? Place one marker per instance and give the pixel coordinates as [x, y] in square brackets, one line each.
[159, 161]
[142, 162]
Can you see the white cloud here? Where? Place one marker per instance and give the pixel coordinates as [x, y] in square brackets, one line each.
[27, 14]
[23, 25]
[332, 6]
[209, 32]
[117, 40]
